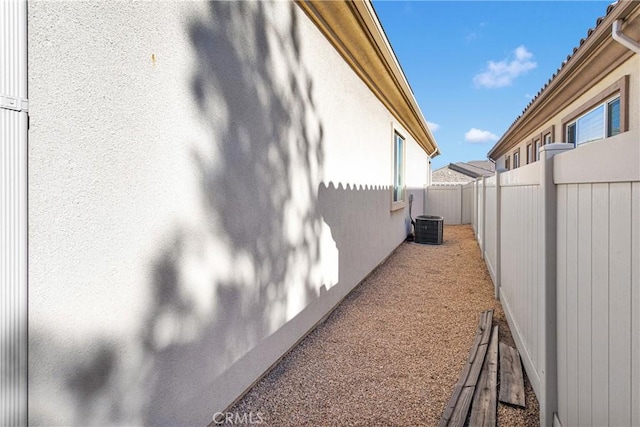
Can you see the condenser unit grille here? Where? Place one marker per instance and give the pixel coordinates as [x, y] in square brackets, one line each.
[429, 229]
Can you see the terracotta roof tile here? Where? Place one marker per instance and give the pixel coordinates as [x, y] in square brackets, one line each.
[590, 31]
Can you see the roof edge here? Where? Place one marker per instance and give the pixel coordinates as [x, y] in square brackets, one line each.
[353, 28]
[596, 39]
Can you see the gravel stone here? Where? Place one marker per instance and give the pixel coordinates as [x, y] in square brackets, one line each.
[392, 351]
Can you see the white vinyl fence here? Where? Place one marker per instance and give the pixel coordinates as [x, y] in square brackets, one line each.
[453, 202]
[480, 222]
[467, 203]
[598, 283]
[490, 237]
[561, 240]
[474, 206]
[519, 278]
[444, 201]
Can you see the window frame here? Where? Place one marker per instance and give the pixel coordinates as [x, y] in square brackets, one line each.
[620, 88]
[607, 131]
[545, 137]
[604, 119]
[398, 181]
[516, 158]
[537, 143]
[530, 155]
[507, 162]
[550, 133]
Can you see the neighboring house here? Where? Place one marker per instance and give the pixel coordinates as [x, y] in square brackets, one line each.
[561, 237]
[462, 172]
[594, 95]
[207, 181]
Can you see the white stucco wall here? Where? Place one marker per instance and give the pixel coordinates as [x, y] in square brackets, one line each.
[206, 181]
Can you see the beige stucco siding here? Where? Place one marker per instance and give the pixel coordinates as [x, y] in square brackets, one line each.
[631, 67]
[206, 181]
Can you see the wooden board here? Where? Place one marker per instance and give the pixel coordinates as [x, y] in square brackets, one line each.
[457, 408]
[459, 416]
[485, 400]
[511, 379]
[478, 359]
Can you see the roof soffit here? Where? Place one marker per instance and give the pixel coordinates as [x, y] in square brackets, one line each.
[595, 58]
[353, 29]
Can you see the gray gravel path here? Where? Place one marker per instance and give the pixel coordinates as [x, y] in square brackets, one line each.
[392, 351]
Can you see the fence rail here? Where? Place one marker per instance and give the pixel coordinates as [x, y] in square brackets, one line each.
[561, 240]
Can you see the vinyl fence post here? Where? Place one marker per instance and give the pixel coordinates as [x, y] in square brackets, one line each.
[424, 200]
[475, 207]
[497, 236]
[548, 398]
[483, 237]
[460, 192]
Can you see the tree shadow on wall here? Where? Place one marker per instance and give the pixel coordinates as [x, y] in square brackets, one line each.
[360, 217]
[258, 175]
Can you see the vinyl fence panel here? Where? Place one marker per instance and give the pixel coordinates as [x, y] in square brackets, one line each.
[467, 203]
[474, 207]
[445, 201]
[481, 214]
[520, 252]
[491, 228]
[598, 294]
[561, 241]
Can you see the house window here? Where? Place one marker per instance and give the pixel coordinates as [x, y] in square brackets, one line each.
[507, 162]
[571, 134]
[398, 168]
[613, 117]
[602, 121]
[547, 139]
[603, 116]
[516, 159]
[536, 148]
[529, 153]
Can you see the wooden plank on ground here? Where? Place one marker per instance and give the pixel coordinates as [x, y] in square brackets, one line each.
[453, 401]
[485, 400]
[478, 359]
[511, 379]
[462, 409]
[457, 408]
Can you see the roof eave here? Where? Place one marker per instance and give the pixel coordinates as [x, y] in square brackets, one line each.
[354, 30]
[598, 37]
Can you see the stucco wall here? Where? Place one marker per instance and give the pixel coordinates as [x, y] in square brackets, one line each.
[206, 181]
[630, 67]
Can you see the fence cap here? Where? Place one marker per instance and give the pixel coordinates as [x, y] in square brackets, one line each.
[556, 146]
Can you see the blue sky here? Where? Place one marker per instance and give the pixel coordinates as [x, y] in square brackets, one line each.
[475, 65]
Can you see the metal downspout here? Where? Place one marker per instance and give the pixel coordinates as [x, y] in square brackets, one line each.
[623, 39]
[13, 213]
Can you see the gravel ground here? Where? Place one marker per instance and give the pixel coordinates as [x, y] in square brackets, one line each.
[392, 351]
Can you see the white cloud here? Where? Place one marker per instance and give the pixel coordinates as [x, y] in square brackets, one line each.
[471, 36]
[474, 34]
[500, 74]
[478, 136]
[433, 126]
